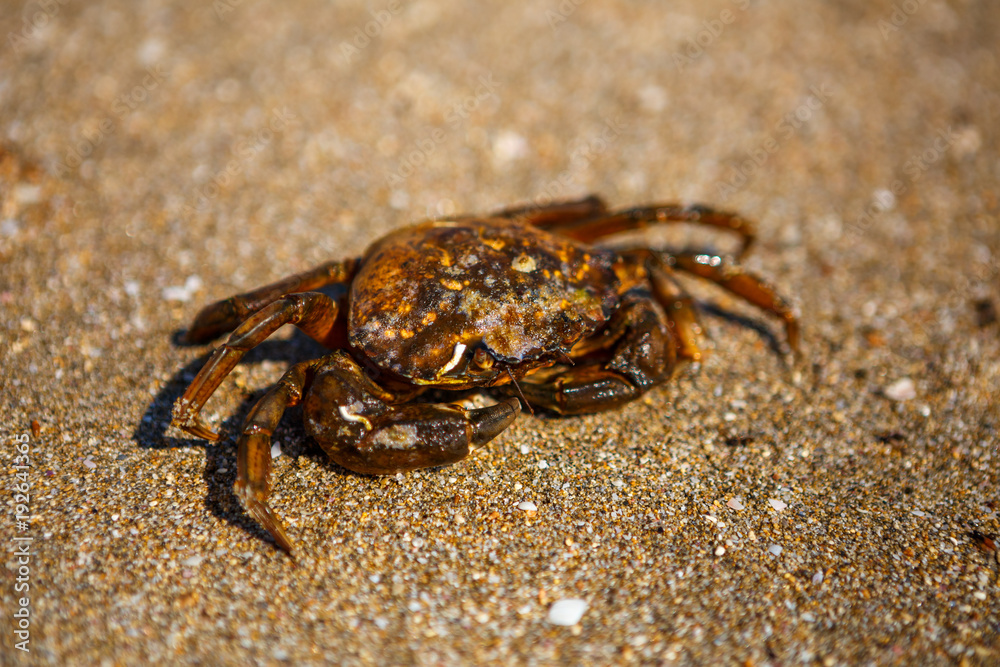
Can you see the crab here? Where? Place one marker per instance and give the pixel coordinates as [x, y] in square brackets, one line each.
[521, 299]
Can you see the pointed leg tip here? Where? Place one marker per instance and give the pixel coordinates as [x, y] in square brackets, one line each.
[266, 517]
[189, 337]
[197, 428]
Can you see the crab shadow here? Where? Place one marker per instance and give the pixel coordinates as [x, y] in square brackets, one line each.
[775, 344]
[155, 433]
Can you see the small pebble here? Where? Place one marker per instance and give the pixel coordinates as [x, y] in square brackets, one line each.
[509, 146]
[777, 504]
[193, 561]
[182, 293]
[735, 504]
[720, 550]
[901, 390]
[543, 464]
[527, 506]
[567, 612]
[817, 578]
[774, 549]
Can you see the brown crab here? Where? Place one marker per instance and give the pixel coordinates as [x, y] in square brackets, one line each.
[518, 298]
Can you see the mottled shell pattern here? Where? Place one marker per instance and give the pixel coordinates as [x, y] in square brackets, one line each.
[428, 296]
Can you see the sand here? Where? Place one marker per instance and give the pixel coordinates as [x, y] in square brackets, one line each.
[159, 156]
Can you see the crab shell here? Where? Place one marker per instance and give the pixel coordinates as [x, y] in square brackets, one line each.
[428, 296]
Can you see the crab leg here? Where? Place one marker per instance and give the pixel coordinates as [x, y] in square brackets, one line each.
[313, 313]
[360, 428]
[680, 310]
[253, 457]
[557, 214]
[733, 278]
[592, 228]
[226, 315]
[644, 353]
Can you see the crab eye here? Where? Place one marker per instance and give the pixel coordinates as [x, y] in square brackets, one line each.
[482, 359]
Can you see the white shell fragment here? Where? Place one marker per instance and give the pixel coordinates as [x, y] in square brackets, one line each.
[524, 263]
[567, 612]
[527, 506]
[901, 390]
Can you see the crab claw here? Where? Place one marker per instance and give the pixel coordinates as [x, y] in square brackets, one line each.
[487, 423]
